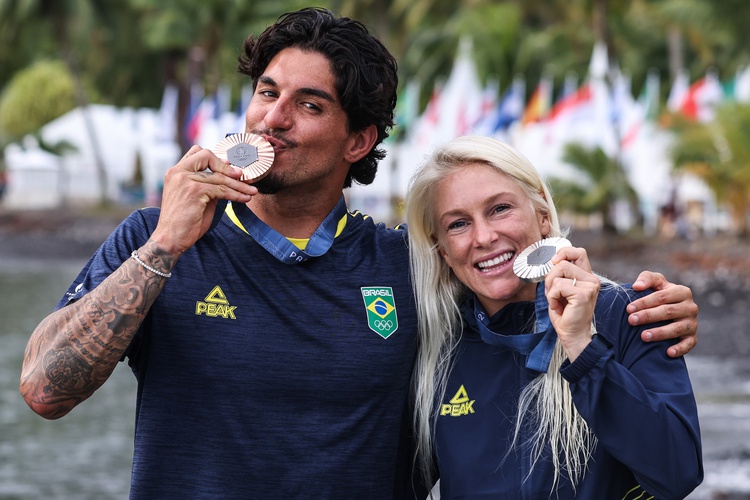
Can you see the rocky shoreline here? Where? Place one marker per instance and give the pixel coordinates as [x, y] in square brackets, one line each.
[716, 269]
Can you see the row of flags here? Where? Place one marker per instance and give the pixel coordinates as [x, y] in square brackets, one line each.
[461, 105]
[209, 117]
[600, 110]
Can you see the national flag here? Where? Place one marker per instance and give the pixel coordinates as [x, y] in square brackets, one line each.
[573, 105]
[246, 94]
[461, 103]
[428, 121]
[205, 111]
[168, 114]
[649, 97]
[728, 89]
[455, 106]
[679, 91]
[194, 102]
[636, 114]
[599, 64]
[742, 85]
[488, 99]
[223, 100]
[570, 85]
[604, 109]
[507, 111]
[630, 114]
[223, 121]
[407, 110]
[573, 119]
[702, 98]
[539, 104]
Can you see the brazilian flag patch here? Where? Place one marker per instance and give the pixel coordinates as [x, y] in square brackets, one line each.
[381, 309]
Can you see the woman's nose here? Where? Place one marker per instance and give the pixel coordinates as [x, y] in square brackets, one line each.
[484, 233]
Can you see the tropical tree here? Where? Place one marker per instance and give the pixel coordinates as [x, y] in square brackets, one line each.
[494, 30]
[602, 183]
[718, 152]
[34, 97]
[67, 20]
[530, 38]
[198, 41]
[675, 35]
[126, 50]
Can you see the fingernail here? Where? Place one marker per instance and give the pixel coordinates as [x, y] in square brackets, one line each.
[634, 319]
[648, 335]
[630, 308]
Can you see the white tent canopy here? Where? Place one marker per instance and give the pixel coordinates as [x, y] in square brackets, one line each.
[123, 137]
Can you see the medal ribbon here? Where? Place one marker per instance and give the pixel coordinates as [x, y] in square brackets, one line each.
[283, 249]
[537, 346]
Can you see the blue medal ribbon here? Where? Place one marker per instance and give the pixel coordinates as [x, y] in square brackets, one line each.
[283, 249]
[537, 346]
[541, 355]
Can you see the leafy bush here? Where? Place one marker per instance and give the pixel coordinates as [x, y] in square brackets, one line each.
[36, 96]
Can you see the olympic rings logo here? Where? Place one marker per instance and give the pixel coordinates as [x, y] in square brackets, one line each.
[382, 324]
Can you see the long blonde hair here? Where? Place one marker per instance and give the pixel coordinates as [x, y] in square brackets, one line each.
[439, 293]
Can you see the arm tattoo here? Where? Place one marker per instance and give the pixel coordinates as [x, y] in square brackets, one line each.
[75, 350]
[67, 373]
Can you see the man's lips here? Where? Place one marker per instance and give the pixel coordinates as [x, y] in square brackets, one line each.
[276, 144]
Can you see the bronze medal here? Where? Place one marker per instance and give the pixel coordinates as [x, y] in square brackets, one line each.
[249, 152]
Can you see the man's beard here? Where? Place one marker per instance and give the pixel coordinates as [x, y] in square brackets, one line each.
[270, 184]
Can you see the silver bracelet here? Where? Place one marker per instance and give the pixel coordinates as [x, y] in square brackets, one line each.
[138, 260]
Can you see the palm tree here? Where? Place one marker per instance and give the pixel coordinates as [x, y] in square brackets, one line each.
[719, 153]
[673, 35]
[603, 183]
[198, 41]
[65, 18]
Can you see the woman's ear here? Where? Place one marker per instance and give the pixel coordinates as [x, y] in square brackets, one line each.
[441, 252]
[436, 242]
[544, 223]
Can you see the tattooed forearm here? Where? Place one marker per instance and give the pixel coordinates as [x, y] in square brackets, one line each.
[67, 373]
[104, 346]
[74, 350]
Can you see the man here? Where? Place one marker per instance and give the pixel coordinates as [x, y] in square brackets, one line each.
[273, 353]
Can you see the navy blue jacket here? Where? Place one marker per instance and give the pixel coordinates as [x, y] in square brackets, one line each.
[638, 402]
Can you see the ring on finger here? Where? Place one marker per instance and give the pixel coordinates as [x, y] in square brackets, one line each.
[575, 280]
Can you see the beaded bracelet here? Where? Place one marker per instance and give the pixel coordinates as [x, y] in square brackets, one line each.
[155, 271]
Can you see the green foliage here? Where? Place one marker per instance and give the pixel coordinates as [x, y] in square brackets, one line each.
[128, 49]
[35, 96]
[718, 152]
[602, 182]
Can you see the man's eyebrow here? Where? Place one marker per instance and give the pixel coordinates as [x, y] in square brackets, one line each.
[267, 80]
[317, 93]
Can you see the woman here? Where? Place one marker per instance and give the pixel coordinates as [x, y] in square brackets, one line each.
[526, 390]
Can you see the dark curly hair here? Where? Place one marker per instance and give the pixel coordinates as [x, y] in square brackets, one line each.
[365, 72]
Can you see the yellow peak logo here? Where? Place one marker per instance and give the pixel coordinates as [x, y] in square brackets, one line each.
[460, 404]
[215, 305]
